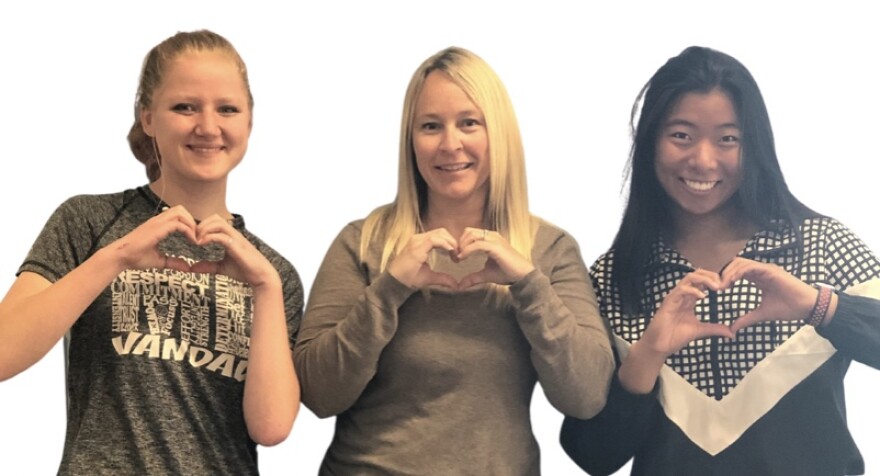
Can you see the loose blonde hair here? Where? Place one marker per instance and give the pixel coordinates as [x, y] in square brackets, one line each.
[507, 210]
[152, 72]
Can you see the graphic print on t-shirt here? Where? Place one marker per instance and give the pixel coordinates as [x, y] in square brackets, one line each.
[167, 314]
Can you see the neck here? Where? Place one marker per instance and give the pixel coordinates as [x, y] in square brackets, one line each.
[710, 241]
[455, 216]
[201, 200]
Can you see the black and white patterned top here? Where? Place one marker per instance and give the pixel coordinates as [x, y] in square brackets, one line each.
[831, 254]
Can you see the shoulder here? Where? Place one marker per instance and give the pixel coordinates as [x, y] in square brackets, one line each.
[824, 226]
[90, 203]
[91, 212]
[284, 267]
[548, 235]
[828, 233]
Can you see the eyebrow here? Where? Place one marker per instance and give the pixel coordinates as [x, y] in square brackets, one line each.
[434, 115]
[683, 122]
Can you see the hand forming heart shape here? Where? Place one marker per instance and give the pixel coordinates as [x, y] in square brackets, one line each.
[675, 324]
[215, 245]
[415, 264]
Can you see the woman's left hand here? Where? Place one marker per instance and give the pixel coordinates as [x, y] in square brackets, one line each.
[783, 296]
[504, 265]
[242, 260]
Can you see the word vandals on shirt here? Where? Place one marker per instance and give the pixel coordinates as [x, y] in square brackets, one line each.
[199, 318]
[154, 347]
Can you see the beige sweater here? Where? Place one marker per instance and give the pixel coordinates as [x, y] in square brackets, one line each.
[442, 384]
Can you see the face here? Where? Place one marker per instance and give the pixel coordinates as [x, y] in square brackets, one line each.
[450, 142]
[200, 117]
[698, 153]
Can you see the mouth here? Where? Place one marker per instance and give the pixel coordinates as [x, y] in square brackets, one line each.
[205, 149]
[454, 167]
[700, 185]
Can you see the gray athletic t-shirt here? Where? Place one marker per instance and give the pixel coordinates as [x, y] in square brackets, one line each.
[156, 364]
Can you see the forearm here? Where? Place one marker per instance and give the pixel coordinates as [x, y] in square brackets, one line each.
[604, 443]
[35, 313]
[855, 328]
[271, 390]
[640, 368]
[341, 340]
[571, 350]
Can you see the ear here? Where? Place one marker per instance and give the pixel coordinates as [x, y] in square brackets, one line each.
[147, 121]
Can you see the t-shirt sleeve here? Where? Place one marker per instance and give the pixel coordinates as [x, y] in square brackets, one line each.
[67, 239]
[293, 300]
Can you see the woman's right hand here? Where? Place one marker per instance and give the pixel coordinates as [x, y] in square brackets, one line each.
[673, 326]
[139, 249]
[410, 266]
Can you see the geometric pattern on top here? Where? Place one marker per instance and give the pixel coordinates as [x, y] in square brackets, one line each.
[830, 253]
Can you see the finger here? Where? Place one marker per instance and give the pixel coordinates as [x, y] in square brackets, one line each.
[172, 262]
[471, 235]
[476, 247]
[753, 271]
[702, 279]
[705, 330]
[441, 279]
[181, 214]
[474, 279]
[208, 267]
[215, 224]
[444, 240]
[219, 237]
[686, 293]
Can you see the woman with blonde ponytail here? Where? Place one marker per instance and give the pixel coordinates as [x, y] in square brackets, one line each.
[179, 322]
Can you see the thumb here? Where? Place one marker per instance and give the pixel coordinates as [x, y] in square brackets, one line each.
[441, 279]
[715, 330]
[748, 319]
[210, 267]
[473, 279]
[178, 264]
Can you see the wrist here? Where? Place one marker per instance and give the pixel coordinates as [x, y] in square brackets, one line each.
[822, 305]
[112, 258]
[639, 370]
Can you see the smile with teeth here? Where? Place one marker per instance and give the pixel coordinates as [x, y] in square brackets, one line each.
[205, 149]
[699, 185]
[454, 167]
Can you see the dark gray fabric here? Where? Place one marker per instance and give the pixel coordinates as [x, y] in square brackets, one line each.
[156, 364]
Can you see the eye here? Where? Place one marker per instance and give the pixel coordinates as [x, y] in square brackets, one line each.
[679, 136]
[228, 110]
[429, 126]
[184, 108]
[470, 123]
[730, 139]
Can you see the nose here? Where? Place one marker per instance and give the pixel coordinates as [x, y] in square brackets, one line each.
[207, 125]
[451, 140]
[704, 156]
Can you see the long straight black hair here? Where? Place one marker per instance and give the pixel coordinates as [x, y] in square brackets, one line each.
[762, 196]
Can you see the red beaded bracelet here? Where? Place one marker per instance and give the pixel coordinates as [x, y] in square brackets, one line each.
[820, 308]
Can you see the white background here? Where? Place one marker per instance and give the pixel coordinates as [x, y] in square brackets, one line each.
[329, 80]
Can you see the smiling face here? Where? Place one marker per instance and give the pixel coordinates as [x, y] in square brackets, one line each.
[698, 154]
[200, 117]
[451, 143]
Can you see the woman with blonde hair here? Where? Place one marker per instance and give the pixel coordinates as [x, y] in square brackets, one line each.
[179, 322]
[430, 321]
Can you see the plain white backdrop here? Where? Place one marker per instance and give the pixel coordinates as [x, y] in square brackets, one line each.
[329, 79]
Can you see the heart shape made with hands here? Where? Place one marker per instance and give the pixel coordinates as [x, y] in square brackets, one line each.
[442, 261]
[780, 295]
[177, 244]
